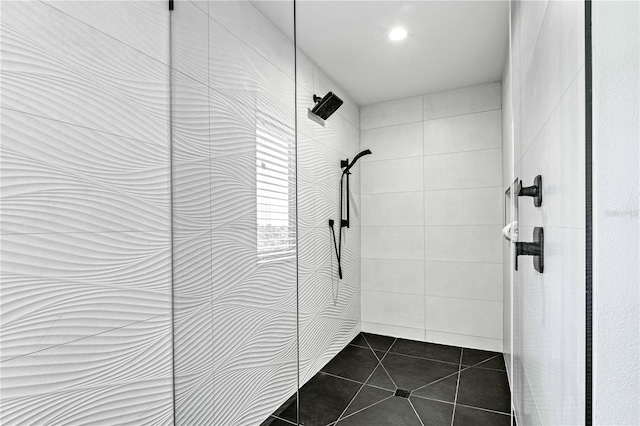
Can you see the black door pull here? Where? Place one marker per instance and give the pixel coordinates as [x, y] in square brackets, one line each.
[534, 191]
[535, 249]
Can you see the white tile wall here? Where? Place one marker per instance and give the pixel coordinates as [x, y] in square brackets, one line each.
[401, 310]
[393, 242]
[469, 132]
[392, 275]
[391, 113]
[393, 209]
[401, 141]
[467, 100]
[478, 206]
[86, 220]
[443, 150]
[474, 169]
[401, 175]
[471, 280]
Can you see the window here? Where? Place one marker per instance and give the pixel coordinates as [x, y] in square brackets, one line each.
[275, 175]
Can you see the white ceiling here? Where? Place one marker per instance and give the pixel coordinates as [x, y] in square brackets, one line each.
[451, 44]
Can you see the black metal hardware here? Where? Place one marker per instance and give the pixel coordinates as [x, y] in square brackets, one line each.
[346, 166]
[335, 245]
[170, 4]
[535, 249]
[534, 191]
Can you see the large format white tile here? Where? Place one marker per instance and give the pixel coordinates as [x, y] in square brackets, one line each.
[256, 31]
[553, 67]
[463, 243]
[143, 25]
[393, 209]
[58, 177]
[464, 316]
[485, 97]
[59, 287]
[238, 71]
[561, 165]
[465, 341]
[140, 351]
[468, 132]
[403, 310]
[68, 71]
[393, 242]
[394, 331]
[189, 46]
[478, 206]
[401, 141]
[402, 175]
[471, 280]
[189, 119]
[390, 113]
[474, 169]
[391, 275]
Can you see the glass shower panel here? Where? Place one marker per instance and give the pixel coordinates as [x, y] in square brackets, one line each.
[234, 213]
[547, 112]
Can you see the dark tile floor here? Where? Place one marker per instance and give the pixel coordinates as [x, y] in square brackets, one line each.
[384, 381]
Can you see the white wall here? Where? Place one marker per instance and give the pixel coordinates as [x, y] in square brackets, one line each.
[235, 334]
[431, 218]
[616, 201]
[549, 117]
[86, 220]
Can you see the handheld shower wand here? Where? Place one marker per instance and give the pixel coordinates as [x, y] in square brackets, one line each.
[344, 222]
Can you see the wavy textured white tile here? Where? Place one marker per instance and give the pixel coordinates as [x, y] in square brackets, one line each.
[190, 119]
[256, 31]
[62, 178]
[145, 347]
[145, 402]
[59, 287]
[262, 389]
[67, 71]
[189, 41]
[232, 126]
[233, 191]
[191, 196]
[143, 25]
[239, 72]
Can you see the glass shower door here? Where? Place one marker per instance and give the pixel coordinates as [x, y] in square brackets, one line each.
[234, 215]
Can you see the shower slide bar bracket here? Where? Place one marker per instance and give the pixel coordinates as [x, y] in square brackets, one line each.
[535, 249]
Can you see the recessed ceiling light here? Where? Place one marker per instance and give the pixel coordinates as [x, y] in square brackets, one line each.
[397, 34]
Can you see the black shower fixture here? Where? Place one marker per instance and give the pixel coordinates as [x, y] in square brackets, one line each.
[535, 249]
[346, 166]
[534, 191]
[326, 105]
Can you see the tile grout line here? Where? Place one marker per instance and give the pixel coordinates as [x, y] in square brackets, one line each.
[462, 405]
[461, 370]
[361, 410]
[382, 365]
[284, 420]
[415, 412]
[455, 400]
[367, 379]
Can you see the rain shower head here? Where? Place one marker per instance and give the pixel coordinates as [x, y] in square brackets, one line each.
[326, 105]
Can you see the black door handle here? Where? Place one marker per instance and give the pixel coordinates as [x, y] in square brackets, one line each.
[535, 249]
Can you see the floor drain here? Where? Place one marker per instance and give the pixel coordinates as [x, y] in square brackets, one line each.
[403, 393]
